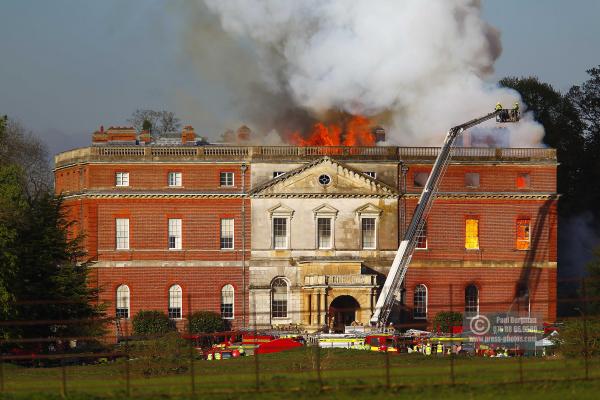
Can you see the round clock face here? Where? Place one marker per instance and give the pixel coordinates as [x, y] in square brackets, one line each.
[324, 180]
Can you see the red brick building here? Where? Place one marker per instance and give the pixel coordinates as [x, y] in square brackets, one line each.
[182, 227]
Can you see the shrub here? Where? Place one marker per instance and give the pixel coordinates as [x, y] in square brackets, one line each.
[445, 320]
[151, 323]
[207, 322]
[571, 336]
[160, 356]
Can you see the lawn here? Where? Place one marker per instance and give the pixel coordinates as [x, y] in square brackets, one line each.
[343, 374]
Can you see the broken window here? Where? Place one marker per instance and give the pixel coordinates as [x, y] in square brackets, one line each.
[422, 237]
[420, 179]
[472, 179]
[523, 181]
[523, 234]
[472, 234]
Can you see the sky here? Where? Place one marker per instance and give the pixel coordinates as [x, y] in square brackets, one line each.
[69, 66]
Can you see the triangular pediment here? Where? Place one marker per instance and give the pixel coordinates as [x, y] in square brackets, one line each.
[324, 177]
[368, 209]
[325, 209]
[280, 209]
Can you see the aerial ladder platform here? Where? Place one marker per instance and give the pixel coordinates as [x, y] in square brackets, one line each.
[390, 291]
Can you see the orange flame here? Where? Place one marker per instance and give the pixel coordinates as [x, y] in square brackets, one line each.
[356, 132]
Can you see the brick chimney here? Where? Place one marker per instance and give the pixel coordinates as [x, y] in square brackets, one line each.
[145, 136]
[188, 135]
[121, 134]
[100, 136]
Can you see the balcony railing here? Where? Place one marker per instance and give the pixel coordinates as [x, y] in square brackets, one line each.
[340, 280]
[295, 153]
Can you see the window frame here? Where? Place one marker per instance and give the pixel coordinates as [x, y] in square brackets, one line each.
[287, 232]
[175, 303]
[419, 236]
[221, 237]
[471, 314]
[119, 181]
[478, 185]
[177, 234]
[287, 298]
[230, 287]
[277, 174]
[120, 239]
[175, 179]
[223, 180]
[420, 173]
[473, 218]
[528, 241]
[426, 301]
[527, 179]
[375, 219]
[118, 301]
[372, 174]
[331, 229]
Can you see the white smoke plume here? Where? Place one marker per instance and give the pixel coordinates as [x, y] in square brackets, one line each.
[416, 66]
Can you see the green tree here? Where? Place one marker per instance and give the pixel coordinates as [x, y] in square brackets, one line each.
[152, 323]
[592, 285]
[206, 322]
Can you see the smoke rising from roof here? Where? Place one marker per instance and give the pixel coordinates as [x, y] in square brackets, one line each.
[416, 67]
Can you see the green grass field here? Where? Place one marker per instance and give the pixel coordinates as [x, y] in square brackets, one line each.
[344, 374]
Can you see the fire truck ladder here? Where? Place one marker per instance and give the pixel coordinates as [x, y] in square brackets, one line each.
[391, 288]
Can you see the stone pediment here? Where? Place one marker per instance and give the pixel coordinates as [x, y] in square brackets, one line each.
[280, 210]
[369, 209]
[324, 177]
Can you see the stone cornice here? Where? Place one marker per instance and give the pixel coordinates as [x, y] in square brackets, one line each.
[151, 195]
[490, 195]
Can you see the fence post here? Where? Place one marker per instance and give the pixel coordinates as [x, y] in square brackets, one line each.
[63, 369]
[127, 372]
[585, 331]
[318, 359]
[191, 349]
[256, 363]
[387, 370]
[452, 376]
[521, 380]
[1, 375]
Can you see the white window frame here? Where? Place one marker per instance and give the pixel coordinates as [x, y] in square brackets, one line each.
[121, 179]
[426, 301]
[221, 237]
[175, 179]
[287, 297]
[375, 227]
[175, 302]
[228, 287]
[287, 232]
[175, 232]
[123, 294]
[277, 174]
[122, 233]
[225, 182]
[331, 230]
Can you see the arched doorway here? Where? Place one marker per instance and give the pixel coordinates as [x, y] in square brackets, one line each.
[342, 312]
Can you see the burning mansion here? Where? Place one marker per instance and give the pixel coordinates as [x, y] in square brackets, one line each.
[304, 236]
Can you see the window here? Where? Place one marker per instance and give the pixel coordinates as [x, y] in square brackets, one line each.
[324, 179]
[175, 302]
[122, 310]
[174, 234]
[420, 179]
[368, 233]
[227, 294]
[122, 233]
[174, 179]
[523, 234]
[227, 233]
[472, 179]
[422, 237]
[472, 234]
[523, 181]
[420, 302]
[280, 236]
[122, 179]
[471, 301]
[277, 174]
[324, 233]
[279, 289]
[227, 179]
[371, 174]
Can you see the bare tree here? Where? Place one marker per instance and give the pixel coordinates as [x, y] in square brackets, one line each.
[20, 147]
[160, 122]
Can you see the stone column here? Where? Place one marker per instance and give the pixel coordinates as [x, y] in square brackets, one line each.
[306, 309]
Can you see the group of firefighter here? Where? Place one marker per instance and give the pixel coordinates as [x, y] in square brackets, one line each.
[507, 115]
[432, 348]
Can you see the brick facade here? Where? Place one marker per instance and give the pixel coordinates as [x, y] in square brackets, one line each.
[86, 177]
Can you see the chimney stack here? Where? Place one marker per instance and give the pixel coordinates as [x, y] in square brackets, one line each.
[379, 134]
[243, 133]
[188, 135]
